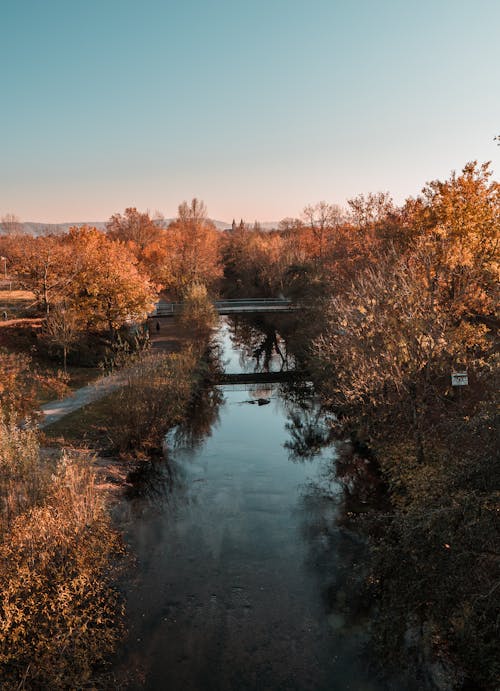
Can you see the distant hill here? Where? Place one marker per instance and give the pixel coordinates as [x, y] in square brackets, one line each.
[33, 228]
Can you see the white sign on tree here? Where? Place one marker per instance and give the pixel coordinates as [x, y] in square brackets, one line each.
[459, 378]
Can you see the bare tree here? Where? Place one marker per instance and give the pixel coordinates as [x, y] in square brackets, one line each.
[323, 218]
[370, 209]
[62, 329]
[11, 225]
[194, 213]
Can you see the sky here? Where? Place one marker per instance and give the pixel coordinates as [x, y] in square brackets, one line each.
[258, 108]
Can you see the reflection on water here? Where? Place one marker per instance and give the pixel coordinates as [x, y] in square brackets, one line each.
[203, 410]
[251, 348]
[244, 574]
[309, 431]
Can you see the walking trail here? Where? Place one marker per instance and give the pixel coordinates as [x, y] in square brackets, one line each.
[55, 410]
[166, 340]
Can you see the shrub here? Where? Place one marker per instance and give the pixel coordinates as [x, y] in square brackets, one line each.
[152, 400]
[198, 314]
[59, 614]
[22, 477]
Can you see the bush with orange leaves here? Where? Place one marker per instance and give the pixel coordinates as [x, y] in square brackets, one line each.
[59, 613]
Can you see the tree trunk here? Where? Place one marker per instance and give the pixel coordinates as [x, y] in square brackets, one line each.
[417, 427]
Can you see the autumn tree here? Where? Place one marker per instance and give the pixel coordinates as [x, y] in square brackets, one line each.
[323, 219]
[389, 347]
[254, 262]
[135, 227]
[458, 223]
[198, 315]
[43, 265]
[191, 253]
[368, 210]
[17, 385]
[62, 329]
[270, 263]
[108, 290]
[395, 333]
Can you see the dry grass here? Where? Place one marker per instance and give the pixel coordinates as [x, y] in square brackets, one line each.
[59, 614]
[14, 302]
[87, 426]
[76, 378]
[23, 478]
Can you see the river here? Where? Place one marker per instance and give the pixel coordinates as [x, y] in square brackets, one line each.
[244, 565]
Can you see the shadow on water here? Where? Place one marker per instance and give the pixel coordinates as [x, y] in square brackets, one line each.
[249, 571]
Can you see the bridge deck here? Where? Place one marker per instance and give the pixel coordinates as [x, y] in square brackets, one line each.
[226, 307]
[257, 377]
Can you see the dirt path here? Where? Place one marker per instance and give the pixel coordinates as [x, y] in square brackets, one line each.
[167, 339]
[55, 410]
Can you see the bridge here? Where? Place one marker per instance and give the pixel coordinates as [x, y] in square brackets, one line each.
[258, 377]
[239, 306]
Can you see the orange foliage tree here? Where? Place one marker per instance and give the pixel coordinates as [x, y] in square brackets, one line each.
[135, 227]
[144, 237]
[189, 253]
[458, 223]
[108, 290]
[43, 265]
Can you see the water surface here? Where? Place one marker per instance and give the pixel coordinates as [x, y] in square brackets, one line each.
[243, 568]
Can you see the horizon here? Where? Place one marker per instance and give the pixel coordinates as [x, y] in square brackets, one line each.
[258, 110]
[148, 211]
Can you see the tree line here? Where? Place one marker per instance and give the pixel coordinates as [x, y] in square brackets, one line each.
[396, 299]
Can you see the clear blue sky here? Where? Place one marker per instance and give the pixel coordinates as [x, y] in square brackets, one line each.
[258, 108]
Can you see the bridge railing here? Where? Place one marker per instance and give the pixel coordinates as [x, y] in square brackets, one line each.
[249, 302]
[166, 309]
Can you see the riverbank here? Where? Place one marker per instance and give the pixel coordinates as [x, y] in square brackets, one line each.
[58, 419]
[438, 468]
[436, 448]
[72, 486]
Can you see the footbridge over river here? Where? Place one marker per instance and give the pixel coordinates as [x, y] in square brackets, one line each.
[242, 306]
[228, 307]
[285, 376]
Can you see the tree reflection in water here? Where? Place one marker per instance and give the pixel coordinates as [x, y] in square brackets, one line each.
[203, 410]
[155, 478]
[309, 430]
[359, 475]
[340, 507]
[203, 414]
[309, 424]
[259, 343]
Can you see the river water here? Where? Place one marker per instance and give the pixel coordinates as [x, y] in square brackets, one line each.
[244, 566]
